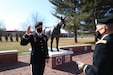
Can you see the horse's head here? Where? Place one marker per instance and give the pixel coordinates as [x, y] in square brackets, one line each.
[61, 22]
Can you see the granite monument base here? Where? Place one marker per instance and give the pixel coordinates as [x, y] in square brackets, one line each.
[60, 57]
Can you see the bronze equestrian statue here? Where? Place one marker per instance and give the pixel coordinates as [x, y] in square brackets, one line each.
[54, 32]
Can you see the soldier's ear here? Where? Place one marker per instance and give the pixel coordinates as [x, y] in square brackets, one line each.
[105, 29]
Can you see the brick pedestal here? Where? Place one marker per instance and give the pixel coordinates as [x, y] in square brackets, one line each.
[8, 56]
[59, 58]
[77, 48]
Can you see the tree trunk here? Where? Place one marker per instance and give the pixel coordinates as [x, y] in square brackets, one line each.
[75, 38]
[95, 23]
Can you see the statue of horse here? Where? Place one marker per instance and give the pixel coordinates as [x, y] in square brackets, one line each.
[54, 32]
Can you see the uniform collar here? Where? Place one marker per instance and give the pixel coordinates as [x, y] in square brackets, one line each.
[38, 33]
[104, 36]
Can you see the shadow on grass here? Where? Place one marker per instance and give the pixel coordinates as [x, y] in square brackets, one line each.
[9, 66]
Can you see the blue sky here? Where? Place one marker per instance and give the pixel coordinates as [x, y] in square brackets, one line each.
[15, 12]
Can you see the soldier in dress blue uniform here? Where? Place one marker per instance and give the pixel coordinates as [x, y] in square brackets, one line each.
[39, 52]
[103, 53]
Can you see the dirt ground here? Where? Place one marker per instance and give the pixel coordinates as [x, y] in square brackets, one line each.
[22, 67]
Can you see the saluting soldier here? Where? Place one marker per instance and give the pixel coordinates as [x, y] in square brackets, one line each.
[39, 48]
[103, 53]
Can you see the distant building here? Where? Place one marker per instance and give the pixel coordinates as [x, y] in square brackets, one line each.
[13, 32]
[65, 33]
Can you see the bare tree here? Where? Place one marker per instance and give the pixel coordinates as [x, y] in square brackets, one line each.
[24, 25]
[34, 18]
[2, 25]
[2, 28]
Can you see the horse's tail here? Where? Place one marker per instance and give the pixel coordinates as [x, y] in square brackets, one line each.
[43, 31]
[46, 32]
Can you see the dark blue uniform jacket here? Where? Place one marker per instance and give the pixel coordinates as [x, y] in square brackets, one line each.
[103, 58]
[39, 48]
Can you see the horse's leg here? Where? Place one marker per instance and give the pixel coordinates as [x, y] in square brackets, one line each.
[57, 42]
[52, 43]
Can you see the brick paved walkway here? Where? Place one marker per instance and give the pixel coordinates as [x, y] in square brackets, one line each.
[22, 66]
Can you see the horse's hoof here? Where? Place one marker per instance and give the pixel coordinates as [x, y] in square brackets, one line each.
[51, 50]
[58, 50]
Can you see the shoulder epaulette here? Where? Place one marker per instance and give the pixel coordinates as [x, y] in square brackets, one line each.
[101, 41]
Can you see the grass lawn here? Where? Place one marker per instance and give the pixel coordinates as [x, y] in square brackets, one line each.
[62, 42]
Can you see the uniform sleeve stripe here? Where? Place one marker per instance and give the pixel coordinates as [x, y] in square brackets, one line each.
[84, 68]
